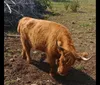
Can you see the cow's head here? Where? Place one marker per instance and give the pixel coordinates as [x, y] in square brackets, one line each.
[68, 58]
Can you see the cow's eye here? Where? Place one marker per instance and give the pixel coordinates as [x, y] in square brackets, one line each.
[67, 60]
[63, 62]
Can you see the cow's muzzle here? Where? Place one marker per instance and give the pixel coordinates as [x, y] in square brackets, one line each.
[62, 73]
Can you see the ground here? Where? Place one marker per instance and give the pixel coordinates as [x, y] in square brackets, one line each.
[82, 27]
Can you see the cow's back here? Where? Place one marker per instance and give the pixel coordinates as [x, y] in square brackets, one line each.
[41, 34]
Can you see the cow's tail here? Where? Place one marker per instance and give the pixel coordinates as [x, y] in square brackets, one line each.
[18, 28]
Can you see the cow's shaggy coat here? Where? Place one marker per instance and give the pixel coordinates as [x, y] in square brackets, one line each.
[49, 37]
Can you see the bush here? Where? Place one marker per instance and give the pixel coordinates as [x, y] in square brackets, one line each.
[66, 5]
[74, 5]
[17, 9]
[42, 5]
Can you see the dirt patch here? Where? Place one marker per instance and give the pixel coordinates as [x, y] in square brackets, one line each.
[18, 72]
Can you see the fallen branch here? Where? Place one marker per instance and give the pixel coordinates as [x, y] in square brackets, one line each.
[8, 6]
[17, 36]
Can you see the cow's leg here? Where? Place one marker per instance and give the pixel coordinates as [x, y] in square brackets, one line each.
[28, 54]
[51, 61]
[23, 49]
[26, 50]
[23, 53]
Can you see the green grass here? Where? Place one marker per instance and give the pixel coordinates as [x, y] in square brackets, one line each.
[10, 82]
[79, 67]
[84, 19]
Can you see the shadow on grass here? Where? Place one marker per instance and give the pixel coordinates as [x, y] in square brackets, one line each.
[51, 13]
[77, 12]
[74, 77]
[81, 12]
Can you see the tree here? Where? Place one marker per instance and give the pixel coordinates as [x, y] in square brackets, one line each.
[16, 9]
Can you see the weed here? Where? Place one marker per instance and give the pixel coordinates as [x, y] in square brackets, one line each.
[79, 67]
[66, 5]
[10, 82]
[6, 54]
[84, 25]
[10, 51]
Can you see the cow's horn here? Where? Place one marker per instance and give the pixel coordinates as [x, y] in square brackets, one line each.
[85, 59]
[83, 55]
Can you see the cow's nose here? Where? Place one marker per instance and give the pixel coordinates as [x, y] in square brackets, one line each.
[62, 73]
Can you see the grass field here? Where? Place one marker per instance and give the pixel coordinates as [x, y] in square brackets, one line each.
[82, 26]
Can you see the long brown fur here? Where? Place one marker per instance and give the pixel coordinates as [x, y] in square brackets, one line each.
[42, 35]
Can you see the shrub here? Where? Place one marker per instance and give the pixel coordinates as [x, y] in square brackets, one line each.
[66, 5]
[42, 5]
[74, 5]
[16, 9]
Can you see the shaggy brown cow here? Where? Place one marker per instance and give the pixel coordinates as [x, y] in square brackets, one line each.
[49, 37]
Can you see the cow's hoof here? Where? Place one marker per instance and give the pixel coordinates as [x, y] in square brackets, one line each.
[30, 62]
[23, 57]
[53, 74]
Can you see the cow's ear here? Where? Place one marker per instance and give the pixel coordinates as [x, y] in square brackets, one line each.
[59, 47]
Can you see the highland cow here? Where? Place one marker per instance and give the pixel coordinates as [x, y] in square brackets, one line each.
[52, 38]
